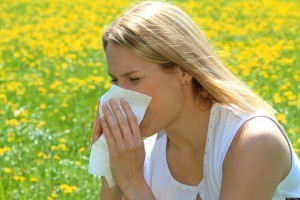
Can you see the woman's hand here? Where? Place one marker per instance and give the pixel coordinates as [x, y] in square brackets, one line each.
[126, 149]
[106, 192]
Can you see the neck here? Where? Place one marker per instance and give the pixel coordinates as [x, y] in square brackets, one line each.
[188, 133]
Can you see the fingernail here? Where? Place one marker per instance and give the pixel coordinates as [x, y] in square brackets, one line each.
[112, 101]
[105, 107]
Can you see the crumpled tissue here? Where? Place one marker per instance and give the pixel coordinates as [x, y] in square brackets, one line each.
[99, 159]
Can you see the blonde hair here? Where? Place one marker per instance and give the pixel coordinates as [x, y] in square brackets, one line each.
[162, 33]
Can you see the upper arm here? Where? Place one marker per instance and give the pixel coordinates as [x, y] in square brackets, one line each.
[258, 159]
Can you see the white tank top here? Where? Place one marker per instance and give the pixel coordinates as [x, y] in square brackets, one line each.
[223, 125]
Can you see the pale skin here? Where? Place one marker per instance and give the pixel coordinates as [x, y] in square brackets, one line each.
[258, 159]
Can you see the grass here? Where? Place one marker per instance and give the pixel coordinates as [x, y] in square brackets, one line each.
[52, 72]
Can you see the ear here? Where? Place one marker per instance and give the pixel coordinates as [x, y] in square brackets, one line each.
[186, 77]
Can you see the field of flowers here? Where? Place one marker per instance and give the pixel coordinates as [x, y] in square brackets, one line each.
[52, 72]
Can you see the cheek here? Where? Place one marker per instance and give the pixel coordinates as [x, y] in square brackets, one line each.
[164, 106]
[162, 110]
[153, 121]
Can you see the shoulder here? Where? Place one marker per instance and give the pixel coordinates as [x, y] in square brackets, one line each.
[259, 154]
[261, 134]
[260, 131]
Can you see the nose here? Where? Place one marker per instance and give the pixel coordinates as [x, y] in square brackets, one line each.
[124, 85]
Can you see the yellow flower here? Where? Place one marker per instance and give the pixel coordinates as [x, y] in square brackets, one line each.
[53, 148]
[24, 113]
[290, 95]
[32, 64]
[78, 163]
[7, 170]
[3, 98]
[43, 106]
[4, 150]
[54, 195]
[81, 149]
[19, 178]
[281, 118]
[63, 186]
[73, 188]
[22, 178]
[42, 155]
[56, 85]
[277, 98]
[64, 105]
[107, 84]
[264, 74]
[67, 189]
[33, 179]
[14, 86]
[12, 122]
[42, 90]
[23, 120]
[91, 87]
[41, 124]
[62, 147]
[62, 140]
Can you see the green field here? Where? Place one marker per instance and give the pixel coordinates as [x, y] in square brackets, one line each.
[53, 71]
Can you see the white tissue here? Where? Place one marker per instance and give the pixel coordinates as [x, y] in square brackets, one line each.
[99, 159]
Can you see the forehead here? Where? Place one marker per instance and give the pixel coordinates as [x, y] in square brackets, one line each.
[120, 61]
[115, 53]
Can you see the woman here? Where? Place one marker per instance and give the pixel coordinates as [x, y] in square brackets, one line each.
[209, 136]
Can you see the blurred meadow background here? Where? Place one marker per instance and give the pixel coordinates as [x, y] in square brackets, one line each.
[53, 70]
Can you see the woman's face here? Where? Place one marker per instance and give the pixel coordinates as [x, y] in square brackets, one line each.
[166, 88]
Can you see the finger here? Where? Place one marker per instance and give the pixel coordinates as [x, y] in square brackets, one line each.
[132, 120]
[108, 136]
[113, 126]
[121, 119]
[97, 129]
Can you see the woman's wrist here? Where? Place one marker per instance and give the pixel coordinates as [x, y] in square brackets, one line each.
[108, 193]
[137, 190]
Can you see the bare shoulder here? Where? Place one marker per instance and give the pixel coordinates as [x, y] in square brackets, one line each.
[258, 159]
[260, 132]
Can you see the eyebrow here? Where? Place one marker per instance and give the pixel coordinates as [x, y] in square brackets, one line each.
[126, 74]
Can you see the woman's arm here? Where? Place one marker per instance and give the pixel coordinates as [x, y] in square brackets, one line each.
[258, 159]
[107, 193]
[115, 193]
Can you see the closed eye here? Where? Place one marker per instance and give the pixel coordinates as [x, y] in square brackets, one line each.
[134, 79]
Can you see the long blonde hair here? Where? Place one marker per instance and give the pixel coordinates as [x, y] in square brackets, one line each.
[162, 33]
